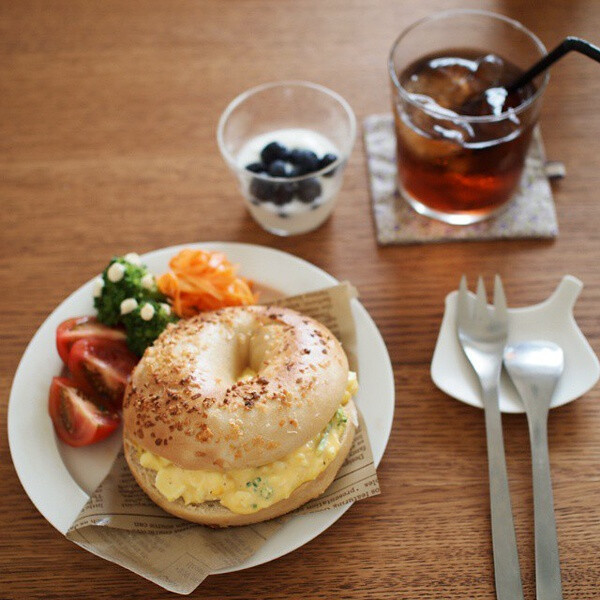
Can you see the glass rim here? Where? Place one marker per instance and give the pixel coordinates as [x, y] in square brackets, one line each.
[238, 100]
[468, 118]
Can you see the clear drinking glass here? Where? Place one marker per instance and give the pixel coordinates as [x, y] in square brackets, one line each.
[299, 115]
[456, 162]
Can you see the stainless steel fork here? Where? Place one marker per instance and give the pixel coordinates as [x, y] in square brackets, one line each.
[482, 332]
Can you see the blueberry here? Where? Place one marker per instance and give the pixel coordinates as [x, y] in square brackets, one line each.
[325, 161]
[294, 171]
[256, 167]
[261, 189]
[284, 193]
[308, 190]
[273, 151]
[305, 160]
[278, 168]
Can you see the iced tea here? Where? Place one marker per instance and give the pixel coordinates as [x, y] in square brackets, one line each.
[449, 163]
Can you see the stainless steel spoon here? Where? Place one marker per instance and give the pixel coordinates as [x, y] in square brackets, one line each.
[535, 368]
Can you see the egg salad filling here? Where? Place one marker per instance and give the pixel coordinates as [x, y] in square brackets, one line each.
[245, 491]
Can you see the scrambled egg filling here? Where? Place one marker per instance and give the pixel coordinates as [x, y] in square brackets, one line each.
[246, 491]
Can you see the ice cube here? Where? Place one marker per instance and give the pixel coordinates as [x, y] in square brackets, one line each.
[423, 141]
[496, 132]
[489, 70]
[447, 86]
[495, 98]
[437, 122]
[490, 101]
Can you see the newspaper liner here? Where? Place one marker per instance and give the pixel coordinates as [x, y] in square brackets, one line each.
[118, 521]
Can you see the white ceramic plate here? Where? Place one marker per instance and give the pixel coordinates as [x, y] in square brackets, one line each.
[550, 320]
[59, 478]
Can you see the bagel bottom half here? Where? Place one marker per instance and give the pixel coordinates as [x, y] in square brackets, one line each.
[216, 515]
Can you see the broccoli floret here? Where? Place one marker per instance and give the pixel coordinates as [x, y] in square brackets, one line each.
[141, 332]
[129, 280]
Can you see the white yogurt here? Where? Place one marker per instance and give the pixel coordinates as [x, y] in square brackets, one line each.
[295, 216]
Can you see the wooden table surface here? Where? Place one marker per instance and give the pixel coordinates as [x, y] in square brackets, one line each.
[108, 113]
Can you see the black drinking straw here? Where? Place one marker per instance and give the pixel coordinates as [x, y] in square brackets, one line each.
[568, 44]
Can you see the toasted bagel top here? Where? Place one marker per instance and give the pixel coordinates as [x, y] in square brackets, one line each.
[184, 400]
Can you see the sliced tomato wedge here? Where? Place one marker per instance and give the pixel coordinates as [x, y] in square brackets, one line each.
[77, 420]
[101, 368]
[71, 330]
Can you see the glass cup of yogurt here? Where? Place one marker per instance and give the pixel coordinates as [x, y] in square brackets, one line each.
[288, 144]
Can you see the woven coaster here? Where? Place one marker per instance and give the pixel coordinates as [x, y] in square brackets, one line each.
[531, 214]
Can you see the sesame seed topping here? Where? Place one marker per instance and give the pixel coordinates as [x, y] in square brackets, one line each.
[133, 258]
[115, 272]
[128, 305]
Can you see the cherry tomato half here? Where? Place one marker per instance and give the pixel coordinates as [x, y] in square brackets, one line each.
[101, 368]
[71, 330]
[77, 420]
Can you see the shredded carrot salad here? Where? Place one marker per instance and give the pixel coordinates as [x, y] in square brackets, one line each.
[201, 280]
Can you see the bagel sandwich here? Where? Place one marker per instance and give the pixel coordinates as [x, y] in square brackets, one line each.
[239, 415]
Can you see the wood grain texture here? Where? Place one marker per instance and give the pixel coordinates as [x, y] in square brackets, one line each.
[108, 113]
